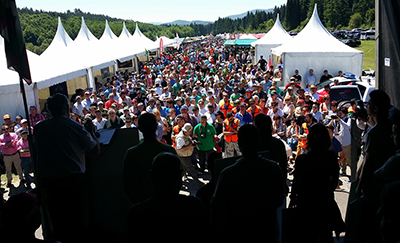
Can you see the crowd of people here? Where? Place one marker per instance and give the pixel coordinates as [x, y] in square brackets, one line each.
[210, 101]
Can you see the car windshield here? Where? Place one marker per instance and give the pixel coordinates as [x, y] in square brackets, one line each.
[345, 93]
[321, 85]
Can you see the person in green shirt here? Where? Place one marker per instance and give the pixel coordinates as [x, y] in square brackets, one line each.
[176, 87]
[206, 135]
[235, 95]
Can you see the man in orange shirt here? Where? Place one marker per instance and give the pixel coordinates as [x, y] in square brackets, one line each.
[230, 130]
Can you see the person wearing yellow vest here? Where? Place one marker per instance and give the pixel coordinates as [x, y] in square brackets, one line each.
[230, 130]
[303, 133]
[184, 147]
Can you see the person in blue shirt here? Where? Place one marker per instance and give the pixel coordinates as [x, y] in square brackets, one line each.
[243, 115]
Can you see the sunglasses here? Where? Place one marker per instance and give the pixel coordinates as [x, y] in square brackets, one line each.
[275, 105]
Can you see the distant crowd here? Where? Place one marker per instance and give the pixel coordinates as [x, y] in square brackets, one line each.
[201, 96]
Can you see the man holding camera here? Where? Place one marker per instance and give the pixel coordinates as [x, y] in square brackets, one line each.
[206, 134]
[184, 146]
[343, 129]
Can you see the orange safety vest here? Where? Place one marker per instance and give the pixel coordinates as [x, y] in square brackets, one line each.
[225, 111]
[256, 111]
[234, 137]
[302, 142]
[234, 110]
[177, 129]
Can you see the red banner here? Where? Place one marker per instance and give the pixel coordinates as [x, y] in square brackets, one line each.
[161, 47]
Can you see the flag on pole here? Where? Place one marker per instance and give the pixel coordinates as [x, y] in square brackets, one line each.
[14, 44]
[147, 55]
[269, 62]
[178, 41]
[161, 47]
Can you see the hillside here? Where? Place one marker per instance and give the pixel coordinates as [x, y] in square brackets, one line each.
[242, 15]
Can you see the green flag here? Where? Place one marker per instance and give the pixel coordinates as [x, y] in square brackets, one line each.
[14, 44]
[147, 55]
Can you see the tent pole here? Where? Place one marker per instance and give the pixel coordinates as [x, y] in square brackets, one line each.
[30, 136]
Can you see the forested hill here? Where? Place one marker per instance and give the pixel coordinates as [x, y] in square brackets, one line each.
[40, 26]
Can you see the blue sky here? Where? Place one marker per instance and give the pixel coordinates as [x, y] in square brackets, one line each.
[154, 10]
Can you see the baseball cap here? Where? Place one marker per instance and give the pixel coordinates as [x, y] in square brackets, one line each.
[6, 116]
[184, 107]
[242, 104]
[187, 127]
[24, 131]
[23, 121]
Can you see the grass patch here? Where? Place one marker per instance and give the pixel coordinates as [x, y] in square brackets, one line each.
[368, 47]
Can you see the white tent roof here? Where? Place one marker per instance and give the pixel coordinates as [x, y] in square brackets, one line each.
[276, 35]
[315, 48]
[247, 37]
[108, 34]
[9, 80]
[55, 64]
[124, 33]
[141, 41]
[84, 34]
[86, 47]
[313, 38]
[166, 41]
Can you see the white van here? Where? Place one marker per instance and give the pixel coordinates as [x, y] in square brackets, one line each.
[368, 35]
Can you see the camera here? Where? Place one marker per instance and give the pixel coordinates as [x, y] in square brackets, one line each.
[334, 117]
[203, 135]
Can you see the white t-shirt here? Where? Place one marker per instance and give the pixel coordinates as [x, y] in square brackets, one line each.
[99, 125]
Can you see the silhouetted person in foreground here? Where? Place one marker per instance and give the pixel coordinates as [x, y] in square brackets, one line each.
[61, 145]
[21, 218]
[390, 212]
[168, 215]
[138, 160]
[276, 148]
[388, 177]
[377, 149]
[247, 194]
[317, 212]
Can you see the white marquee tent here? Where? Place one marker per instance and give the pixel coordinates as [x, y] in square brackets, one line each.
[10, 96]
[247, 37]
[138, 38]
[67, 59]
[315, 48]
[166, 41]
[275, 37]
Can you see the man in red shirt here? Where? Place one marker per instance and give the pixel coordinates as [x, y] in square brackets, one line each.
[110, 101]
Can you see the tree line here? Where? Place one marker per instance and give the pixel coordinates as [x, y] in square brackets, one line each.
[39, 27]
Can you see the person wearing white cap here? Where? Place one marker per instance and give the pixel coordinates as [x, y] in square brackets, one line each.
[185, 147]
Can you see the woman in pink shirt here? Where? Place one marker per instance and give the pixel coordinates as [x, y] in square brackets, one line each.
[23, 148]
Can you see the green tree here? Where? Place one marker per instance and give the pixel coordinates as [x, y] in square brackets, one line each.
[356, 21]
